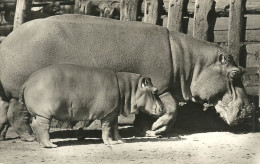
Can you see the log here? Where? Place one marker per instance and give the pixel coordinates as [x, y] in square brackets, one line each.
[175, 15]
[23, 7]
[235, 28]
[128, 10]
[151, 11]
[202, 28]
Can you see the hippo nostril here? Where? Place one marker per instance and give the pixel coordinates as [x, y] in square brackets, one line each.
[154, 91]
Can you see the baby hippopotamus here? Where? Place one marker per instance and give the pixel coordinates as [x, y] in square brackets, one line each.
[76, 93]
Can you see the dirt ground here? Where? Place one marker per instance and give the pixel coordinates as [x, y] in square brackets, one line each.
[211, 147]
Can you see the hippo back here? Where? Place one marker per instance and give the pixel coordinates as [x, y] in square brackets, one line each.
[85, 40]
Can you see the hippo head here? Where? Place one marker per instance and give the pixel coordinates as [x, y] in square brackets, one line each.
[138, 94]
[147, 99]
[219, 83]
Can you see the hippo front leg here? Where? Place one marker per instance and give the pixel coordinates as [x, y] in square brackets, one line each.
[18, 117]
[165, 122]
[110, 133]
[116, 135]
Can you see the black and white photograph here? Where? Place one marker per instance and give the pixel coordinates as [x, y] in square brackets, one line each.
[129, 81]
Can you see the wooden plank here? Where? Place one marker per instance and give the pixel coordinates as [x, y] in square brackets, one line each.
[251, 36]
[252, 7]
[202, 28]
[252, 29]
[253, 55]
[252, 23]
[251, 80]
[128, 10]
[21, 14]
[235, 28]
[39, 4]
[151, 11]
[175, 15]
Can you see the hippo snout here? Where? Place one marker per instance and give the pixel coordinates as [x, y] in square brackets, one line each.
[243, 115]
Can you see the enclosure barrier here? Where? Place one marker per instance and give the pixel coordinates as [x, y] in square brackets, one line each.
[234, 24]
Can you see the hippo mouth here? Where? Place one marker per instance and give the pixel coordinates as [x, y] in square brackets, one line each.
[233, 114]
[234, 107]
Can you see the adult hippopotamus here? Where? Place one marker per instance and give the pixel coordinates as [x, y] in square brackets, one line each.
[71, 92]
[183, 68]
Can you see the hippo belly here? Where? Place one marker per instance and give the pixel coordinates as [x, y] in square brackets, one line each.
[120, 46]
[69, 92]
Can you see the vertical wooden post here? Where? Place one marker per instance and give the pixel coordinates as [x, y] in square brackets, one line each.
[128, 10]
[201, 26]
[175, 15]
[82, 7]
[151, 11]
[235, 28]
[23, 8]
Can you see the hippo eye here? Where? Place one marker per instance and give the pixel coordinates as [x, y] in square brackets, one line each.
[222, 59]
[233, 74]
[146, 81]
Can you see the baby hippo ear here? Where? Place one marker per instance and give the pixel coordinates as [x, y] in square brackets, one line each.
[146, 81]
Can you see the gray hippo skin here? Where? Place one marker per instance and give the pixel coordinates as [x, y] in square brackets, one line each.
[76, 93]
[183, 68]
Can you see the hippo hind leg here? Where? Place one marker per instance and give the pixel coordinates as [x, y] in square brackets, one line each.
[4, 125]
[110, 133]
[19, 117]
[41, 127]
[4, 131]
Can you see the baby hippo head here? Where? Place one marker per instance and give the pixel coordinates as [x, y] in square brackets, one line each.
[147, 99]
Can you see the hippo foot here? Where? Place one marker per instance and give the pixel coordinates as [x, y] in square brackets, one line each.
[120, 141]
[112, 142]
[28, 138]
[151, 133]
[49, 145]
[2, 138]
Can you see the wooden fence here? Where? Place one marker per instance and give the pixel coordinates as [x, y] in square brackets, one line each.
[234, 24]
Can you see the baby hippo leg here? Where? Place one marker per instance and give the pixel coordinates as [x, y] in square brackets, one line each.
[108, 124]
[41, 127]
[116, 134]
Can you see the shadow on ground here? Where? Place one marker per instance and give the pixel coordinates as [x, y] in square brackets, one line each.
[94, 137]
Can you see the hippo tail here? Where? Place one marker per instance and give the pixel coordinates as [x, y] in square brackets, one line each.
[2, 93]
[21, 94]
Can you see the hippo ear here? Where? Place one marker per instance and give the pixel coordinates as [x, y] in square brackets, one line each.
[146, 81]
[222, 59]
